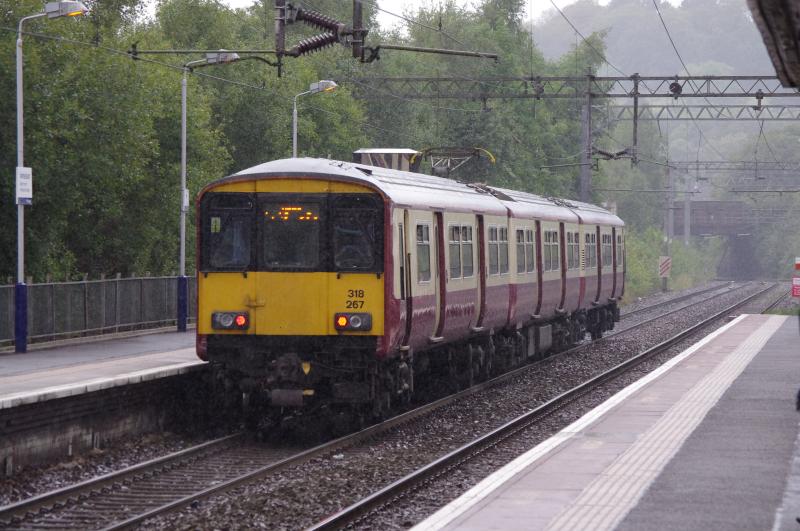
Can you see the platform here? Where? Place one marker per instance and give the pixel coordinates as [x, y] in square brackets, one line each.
[707, 441]
[69, 370]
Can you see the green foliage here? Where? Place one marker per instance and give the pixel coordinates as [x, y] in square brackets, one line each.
[102, 131]
[691, 264]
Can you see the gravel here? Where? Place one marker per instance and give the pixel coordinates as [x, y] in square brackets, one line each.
[304, 495]
[31, 481]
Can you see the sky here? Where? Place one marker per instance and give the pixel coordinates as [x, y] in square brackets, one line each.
[537, 7]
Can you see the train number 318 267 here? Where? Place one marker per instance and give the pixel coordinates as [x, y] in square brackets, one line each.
[355, 299]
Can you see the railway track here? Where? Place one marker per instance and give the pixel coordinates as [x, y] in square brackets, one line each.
[778, 301]
[126, 498]
[353, 514]
[627, 315]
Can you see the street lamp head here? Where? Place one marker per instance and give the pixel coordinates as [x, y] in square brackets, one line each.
[65, 9]
[324, 85]
[221, 57]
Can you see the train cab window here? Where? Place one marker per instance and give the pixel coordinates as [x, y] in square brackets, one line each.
[606, 249]
[356, 224]
[466, 251]
[227, 225]
[290, 235]
[423, 253]
[620, 251]
[591, 250]
[552, 259]
[454, 233]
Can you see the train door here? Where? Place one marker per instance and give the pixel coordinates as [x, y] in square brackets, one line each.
[613, 262]
[539, 268]
[440, 278]
[563, 252]
[404, 272]
[598, 253]
[481, 274]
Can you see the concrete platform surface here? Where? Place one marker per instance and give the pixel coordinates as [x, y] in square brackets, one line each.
[707, 441]
[79, 368]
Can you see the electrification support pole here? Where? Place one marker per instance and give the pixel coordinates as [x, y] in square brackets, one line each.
[669, 220]
[687, 211]
[635, 94]
[585, 184]
[358, 35]
[280, 32]
[294, 127]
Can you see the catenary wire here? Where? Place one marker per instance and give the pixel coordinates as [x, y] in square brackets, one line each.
[602, 56]
[114, 51]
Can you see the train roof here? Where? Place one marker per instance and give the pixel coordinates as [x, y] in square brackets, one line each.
[417, 190]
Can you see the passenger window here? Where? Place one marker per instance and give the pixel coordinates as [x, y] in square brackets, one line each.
[466, 250]
[494, 252]
[503, 250]
[606, 249]
[551, 251]
[455, 251]
[591, 250]
[423, 253]
[520, 251]
[530, 265]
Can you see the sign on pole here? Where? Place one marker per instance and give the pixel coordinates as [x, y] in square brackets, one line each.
[24, 186]
[796, 287]
[664, 266]
[797, 263]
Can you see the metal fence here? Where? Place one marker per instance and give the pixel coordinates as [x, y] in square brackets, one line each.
[69, 309]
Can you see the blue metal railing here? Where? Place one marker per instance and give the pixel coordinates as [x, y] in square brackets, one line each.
[58, 310]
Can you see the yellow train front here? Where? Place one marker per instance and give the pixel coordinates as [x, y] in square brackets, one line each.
[291, 286]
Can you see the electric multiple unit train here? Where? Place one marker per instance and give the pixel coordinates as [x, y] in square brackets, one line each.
[323, 282]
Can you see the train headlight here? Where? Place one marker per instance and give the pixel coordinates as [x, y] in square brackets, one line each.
[225, 320]
[230, 320]
[357, 322]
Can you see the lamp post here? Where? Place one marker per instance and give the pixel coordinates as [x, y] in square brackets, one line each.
[212, 58]
[24, 179]
[324, 85]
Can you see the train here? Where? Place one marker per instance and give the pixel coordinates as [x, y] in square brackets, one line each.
[338, 284]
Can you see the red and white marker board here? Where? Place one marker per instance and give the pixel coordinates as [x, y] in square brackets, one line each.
[664, 266]
[796, 287]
